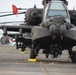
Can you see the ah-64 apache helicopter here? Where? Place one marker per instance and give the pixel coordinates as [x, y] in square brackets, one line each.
[52, 29]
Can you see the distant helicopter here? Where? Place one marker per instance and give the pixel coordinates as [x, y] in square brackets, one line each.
[51, 28]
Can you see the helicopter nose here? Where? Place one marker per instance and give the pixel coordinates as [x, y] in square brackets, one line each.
[57, 29]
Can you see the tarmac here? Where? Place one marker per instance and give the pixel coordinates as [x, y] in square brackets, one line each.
[14, 63]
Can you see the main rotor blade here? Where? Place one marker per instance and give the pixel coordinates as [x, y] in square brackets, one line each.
[12, 14]
[5, 12]
[11, 22]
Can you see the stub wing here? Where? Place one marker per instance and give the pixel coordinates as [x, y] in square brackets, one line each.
[71, 33]
[73, 16]
[15, 28]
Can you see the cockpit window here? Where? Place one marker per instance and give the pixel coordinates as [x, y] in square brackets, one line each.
[57, 6]
[57, 9]
[57, 13]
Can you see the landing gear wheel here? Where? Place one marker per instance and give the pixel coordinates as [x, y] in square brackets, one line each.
[73, 58]
[23, 49]
[47, 55]
[32, 54]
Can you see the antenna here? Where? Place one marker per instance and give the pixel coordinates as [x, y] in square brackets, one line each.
[35, 6]
[73, 7]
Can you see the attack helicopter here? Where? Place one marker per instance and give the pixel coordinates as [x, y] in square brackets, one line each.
[52, 29]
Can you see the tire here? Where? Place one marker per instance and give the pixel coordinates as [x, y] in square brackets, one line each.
[5, 40]
[47, 55]
[73, 58]
[23, 49]
[32, 54]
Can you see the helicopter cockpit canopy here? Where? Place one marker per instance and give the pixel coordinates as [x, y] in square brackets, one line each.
[55, 8]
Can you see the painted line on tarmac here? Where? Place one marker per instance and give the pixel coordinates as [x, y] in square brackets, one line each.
[43, 69]
[15, 72]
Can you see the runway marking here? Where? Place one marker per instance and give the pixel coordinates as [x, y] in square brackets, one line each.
[43, 69]
[15, 72]
[33, 73]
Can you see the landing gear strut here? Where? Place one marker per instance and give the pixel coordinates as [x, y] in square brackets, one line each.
[34, 51]
[47, 55]
[32, 54]
[73, 57]
[72, 54]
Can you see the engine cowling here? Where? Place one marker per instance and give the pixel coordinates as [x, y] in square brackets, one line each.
[47, 1]
[73, 16]
[33, 16]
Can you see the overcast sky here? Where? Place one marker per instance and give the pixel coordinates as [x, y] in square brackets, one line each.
[6, 5]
